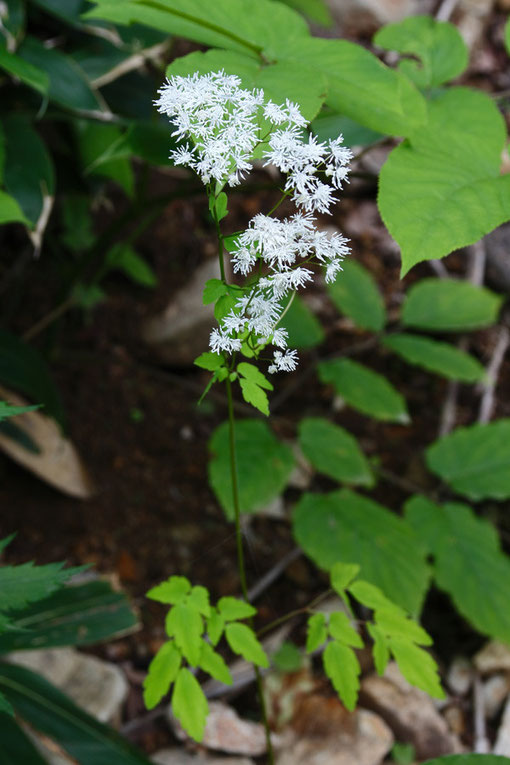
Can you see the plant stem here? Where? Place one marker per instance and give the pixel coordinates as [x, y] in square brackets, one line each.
[240, 554]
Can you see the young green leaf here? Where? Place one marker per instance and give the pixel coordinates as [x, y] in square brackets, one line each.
[355, 293]
[343, 669]
[220, 205]
[417, 666]
[212, 663]
[252, 373]
[254, 395]
[10, 211]
[380, 650]
[442, 358]
[334, 451]
[209, 361]
[186, 626]
[369, 595]
[173, 591]
[213, 290]
[365, 390]
[215, 626]
[232, 609]
[243, 641]
[162, 672]
[342, 575]
[189, 704]
[316, 632]
[342, 630]
[199, 600]
[394, 623]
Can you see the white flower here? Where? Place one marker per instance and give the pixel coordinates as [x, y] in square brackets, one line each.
[219, 341]
[284, 362]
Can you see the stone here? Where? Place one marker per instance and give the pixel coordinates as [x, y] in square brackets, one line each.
[410, 713]
[493, 657]
[495, 691]
[460, 676]
[97, 686]
[181, 757]
[502, 745]
[363, 13]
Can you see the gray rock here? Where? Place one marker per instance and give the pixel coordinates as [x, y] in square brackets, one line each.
[493, 657]
[360, 12]
[181, 757]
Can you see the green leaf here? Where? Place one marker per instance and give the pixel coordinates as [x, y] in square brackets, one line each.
[449, 305]
[68, 84]
[243, 641]
[442, 358]
[334, 452]
[214, 289]
[215, 626]
[355, 293]
[342, 630]
[7, 410]
[316, 632]
[380, 650]
[6, 709]
[29, 175]
[232, 609]
[150, 140]
[161, 674]
[369, 595]
[287, 658]
[26, 583]
[199, 600]
[74, 615]
[14, 21]
[189, 704]
[254, 395]
[395, 624]
[507, 35]
[417, 666]
[263, 465]
[16, 746]
[431, 200]
[469, 759]
[475, 460]
[209, 361]
[442, 53]
[343, 669]
[78, 234]
[97, 145]
[173, 591]
[24, 70]
[122, 257]
[305, 330]
[251, 372]
[186, 626]
[220, 204]
[68, 12]
[468, 563]
[342, 575]
[212, 663]
[316, 10]
[345, 526]
[52, 713]
[365, 390]
[10, 211]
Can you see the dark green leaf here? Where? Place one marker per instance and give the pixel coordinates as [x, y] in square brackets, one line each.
[10, 211]
[123, 258]
[355, 293]
[316, 10]
[16, 746]
[330, 125]
[104, 151]
[442, 358]
[334, 452]
[26, 583]
[469, 759]
[7, 410]
[305, 330]
[23, 70]
[287, 658]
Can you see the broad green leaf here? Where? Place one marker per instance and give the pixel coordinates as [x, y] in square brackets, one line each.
[10, 211]
[173, 591]
[68, 84]
[474, 460]
[305, 330]
[343, 669]
[316, 10]
[330, 125]
[122, 257]
[199, 600]
[97, 144]
[380, 650]
[189, 704]
[16, 746]
[29, 175]
[439, 46]
[263, 465]
[468, 563]
[74, 615]
[23, 70]
[7, 410]
[342, 575]
[232, 609]
[186, 626]
[469, 759]
[442, 358]
[236, 25]
[254, 395]
[359, 85]
[316, 632]
[50, 712]
[342, 630]
[212, 663]
[215, 626]
[431, 200]
[161, 674]
[334, 452]
[214, 289]
[26, 583]
[209, 361]
[251, 372]
[344, 526]
[417, 666]
[365, 390]
[355, 293]
[243, 641]
[449, 305]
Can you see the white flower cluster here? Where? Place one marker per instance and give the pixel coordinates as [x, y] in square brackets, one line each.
[224, 123]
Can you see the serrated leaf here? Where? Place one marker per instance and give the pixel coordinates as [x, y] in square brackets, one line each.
[394, 623]
[210, 361]
[343, 669]
[214, 289]
[369, 595]
[251, 372]
[305, 330]
[345, 526]
[254, 395]
[243, 641]
[449, 305]
[355, 294]
[442, 53]
[212, 663]
[223, 306]
[215, 626]
[417, 666]
[189, 704]
[173, 591]
[475, 461]
[232, 609]
[316, 632]
[263, 465]
[468, 563]
[365, 390]
[442, 358]
[342, 630]
[342, 575]
[186, 626]
[27, 583]
[334, 452]
[161, 674]
[380, 650]
[430, 199]
[199, 600]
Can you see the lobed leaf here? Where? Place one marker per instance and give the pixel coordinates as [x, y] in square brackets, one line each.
[316, 632]
[185, 625]
[232, 609]
[161, 674]
[173, 591]
[417, 666]
[342, 630]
